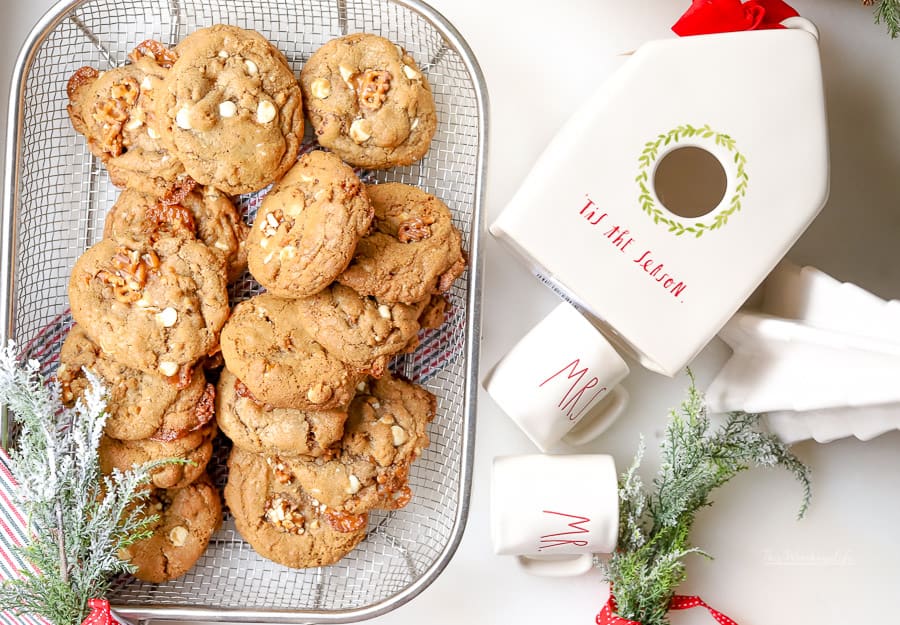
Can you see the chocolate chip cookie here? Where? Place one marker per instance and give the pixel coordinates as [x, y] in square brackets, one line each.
[414, 250]
[157, 306]
[138, 404]
[359, 330]
[266, 346]
[196, 448]
[188, 517]
[308, 226]
[255, 427]
[369, 102]
[231, 109]
[114, 110]
[203, 212]
[280, 520]
[384, 433]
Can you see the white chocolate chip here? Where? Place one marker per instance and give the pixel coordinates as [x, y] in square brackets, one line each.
[354, 485]
[387, 419]
[360, 130]
[415, 124]
[134, 124]
[264, 243]
[288, 252]
[223, 54]
[152, 133]
[384, 312]
[251, 67]
[319, 393]
[294, 208]
[178, 535]
[314, 524]
[361, 387]
[183, 118]
[147, 84]
[167, 317]
[227, 108]
[265, 112]
[220, 245]
[274, 515]
[168, 368]
[268, 258]
[346, 73]
[411, 73]
[376, 405]
[321, 88]
[399, 435]
[272, 220]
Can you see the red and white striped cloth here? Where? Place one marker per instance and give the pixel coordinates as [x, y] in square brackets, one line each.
[13, 533]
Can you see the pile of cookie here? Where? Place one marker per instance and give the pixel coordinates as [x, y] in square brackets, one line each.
[322, 431]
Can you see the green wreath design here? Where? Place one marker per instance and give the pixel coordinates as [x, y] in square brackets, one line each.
[648, 157]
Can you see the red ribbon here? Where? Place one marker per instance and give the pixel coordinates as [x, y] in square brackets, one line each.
[100, 614]
[706, 17]
[608, 616]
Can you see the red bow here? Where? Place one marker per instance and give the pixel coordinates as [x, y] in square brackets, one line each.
[724, 16]
[100, 614]
[608, 616]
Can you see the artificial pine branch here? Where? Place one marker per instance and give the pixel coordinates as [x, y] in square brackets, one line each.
[78, 519]
[887, 11]
[655, 525]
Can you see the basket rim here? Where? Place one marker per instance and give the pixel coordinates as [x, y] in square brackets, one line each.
[8, 220]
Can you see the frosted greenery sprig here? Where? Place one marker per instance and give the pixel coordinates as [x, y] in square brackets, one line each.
[78, 518]
[655, 524]
[888, 12]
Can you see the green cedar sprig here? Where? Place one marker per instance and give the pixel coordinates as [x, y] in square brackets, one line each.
[78, 518]
[655, 524]
[888, 12]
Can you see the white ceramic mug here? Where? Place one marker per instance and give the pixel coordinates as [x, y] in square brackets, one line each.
[560, 381]
[554, 512]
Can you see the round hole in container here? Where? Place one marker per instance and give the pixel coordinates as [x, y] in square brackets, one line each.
[690, 182]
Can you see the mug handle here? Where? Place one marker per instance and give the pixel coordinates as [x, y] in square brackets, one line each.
[544, 567]
[801, 23]
[593, 425]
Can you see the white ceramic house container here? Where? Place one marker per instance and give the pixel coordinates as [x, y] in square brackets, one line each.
[593, 218]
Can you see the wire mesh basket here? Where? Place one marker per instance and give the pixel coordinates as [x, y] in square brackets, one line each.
[57, 195]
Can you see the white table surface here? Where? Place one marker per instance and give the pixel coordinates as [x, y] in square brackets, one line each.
[839, 565]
